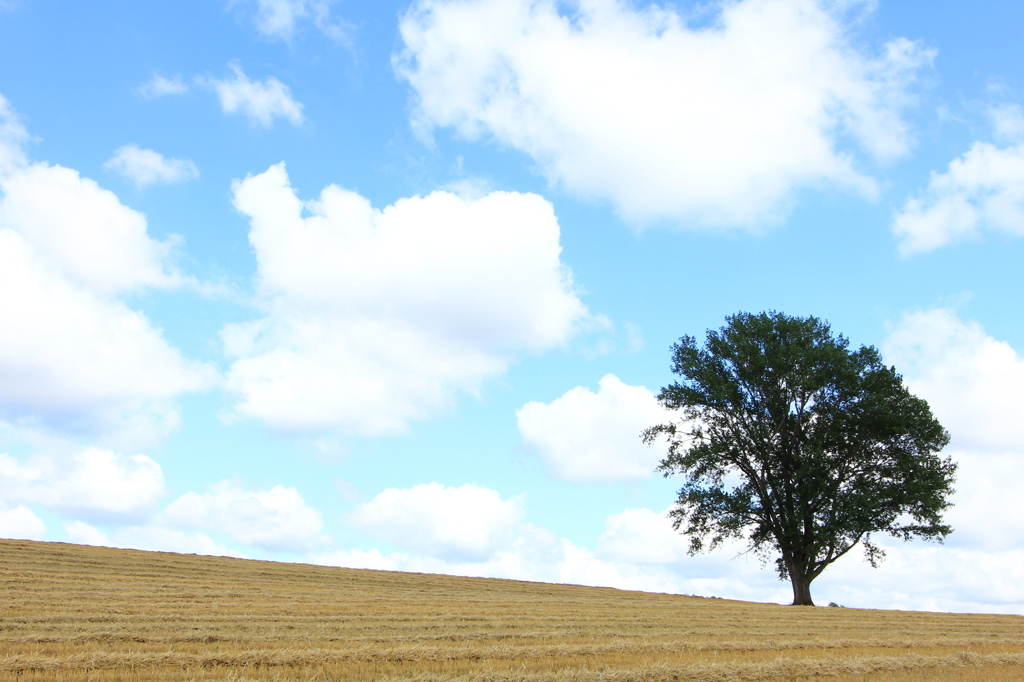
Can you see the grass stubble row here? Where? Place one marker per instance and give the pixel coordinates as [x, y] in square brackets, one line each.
[70, 612]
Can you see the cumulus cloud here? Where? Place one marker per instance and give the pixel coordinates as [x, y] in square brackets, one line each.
[468, 523]
[379, 317]
[94, 484]
[88, 235]
[278, 19]
[20, 523]
[929, 578]
[638, 550]
[120, 493]
[716, 123]
[536, 556]
[644, 545]
[147, 167]
[81, 360]
[260, 101]
[914, 576]
[152, 538]
[161, 86]
[981, 190]
[641, 536]
[275, 519]
[82, 533]
[586, 437]
[973, 382]
[988, 506]
[624, 559]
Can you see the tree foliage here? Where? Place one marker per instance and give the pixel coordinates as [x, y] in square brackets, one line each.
[789, 438]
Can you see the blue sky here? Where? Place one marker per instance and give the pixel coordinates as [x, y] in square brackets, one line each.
[392, 285]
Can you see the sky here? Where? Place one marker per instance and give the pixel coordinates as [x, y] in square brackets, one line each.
[393, 284]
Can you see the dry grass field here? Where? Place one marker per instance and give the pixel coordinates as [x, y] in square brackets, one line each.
[92, 614]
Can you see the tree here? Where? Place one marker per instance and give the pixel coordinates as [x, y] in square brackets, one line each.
[803, 446]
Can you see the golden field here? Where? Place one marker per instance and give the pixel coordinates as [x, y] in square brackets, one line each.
[94, 614]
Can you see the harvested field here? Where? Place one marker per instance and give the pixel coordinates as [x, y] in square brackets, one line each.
[85, 613]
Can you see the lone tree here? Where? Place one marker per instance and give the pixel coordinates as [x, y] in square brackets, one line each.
[803, 446]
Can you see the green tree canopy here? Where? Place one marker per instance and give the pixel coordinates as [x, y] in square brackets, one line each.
[789, 439]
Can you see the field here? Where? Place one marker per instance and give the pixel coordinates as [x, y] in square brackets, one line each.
[84, 613]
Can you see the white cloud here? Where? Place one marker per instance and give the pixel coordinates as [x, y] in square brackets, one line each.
[20, 523]
[279, 18]
[914, 576]
[643, 544]
[1008, 122]
[975, 387]
[81, 360]
[275, 519]
[83, 231]
[82, 533]
[641, 536]
[259, 101]
[718, 123]
[586, 437]
[102, 480]
[639, 551]
[379, 317]
[151, 538]
[974, 383]
[147, 167]
[158, 539]
[357, 558]
[116, 490]
[468, 523]
[93, 484]
[988, 507]
[929, 577]
[981, 190]
[12, 136]
[534, 553]
[160, 86]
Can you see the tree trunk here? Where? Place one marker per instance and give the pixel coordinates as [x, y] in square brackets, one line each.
[801, 590]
